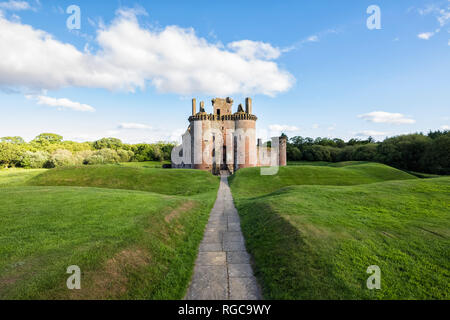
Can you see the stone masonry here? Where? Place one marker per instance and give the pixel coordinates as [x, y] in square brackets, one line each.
[224, 140]
[222, 269]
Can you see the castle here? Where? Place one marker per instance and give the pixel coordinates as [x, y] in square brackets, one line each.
[224, 140]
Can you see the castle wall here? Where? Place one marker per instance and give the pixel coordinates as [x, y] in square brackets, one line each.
[223, 140]
[245, 139]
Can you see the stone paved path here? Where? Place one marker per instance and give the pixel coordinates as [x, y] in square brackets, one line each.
[222, 270]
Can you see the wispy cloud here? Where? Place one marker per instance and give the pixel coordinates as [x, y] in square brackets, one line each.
[425, 35]
[132, 125]
[442, 14]
[61, 103]
[371, 133]
[332, 128]
[279, 128]
[316, 37]
[386, 117]
[15, 5]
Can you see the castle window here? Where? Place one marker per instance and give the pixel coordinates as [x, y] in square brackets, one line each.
[218, 112]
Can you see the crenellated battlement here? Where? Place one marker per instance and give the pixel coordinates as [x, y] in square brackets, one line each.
[223, 140]
[222, 110]
[213, 117]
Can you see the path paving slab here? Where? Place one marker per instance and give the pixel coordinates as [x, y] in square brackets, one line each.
[238, 257]
[211, 259]
[208, 247]
[222, 269]
[244, 289]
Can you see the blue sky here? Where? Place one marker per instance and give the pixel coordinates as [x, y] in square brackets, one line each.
[313, 68]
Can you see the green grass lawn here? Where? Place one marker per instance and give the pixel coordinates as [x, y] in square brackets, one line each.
[145, 164]
[134, 232]
[17, 177]
[316, 241]
[166, 181]
[250, 183]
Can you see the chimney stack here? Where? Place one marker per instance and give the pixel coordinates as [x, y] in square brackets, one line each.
[248, 105]
[194, 106]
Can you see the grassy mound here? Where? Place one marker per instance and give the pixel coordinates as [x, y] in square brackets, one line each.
[129, 244]
[145, 164]
[17, 177]
[249, 182]
[164, 181]
[316, 242]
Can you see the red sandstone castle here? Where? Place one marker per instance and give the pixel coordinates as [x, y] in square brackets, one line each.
[224, 140]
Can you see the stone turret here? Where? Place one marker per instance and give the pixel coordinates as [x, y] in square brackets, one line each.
[194, 107]
[248, 105]
[226, 140]
[282, 158]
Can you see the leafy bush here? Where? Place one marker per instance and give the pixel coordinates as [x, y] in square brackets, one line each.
[95, 159]
[125, 155]
[60, 158]
[82, 156]
[103, 156]
[34, 160]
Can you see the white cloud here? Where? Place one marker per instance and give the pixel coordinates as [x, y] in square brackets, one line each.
[283, 128]
[62, 103]
[315, 126]
[442, 15]
[313, 38]
[386, 117]
[445, 127]
[172, 59]
[133, 126]
[317, 37]
[254, 50]
[425, 35]
[15, 5]
[371, 133]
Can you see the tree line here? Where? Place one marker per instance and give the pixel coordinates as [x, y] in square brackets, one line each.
[417, 152]
[49, 150]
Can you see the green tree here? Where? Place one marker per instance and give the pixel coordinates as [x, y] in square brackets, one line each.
[405, 151]
[48, 138]
[13, 140]
[108, 143]
[10, 154]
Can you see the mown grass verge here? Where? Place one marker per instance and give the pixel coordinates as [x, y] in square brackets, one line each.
[129, 244]
[316, 241]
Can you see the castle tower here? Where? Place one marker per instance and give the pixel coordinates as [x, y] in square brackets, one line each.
[282, 158]
[223, 140]
[244, 138]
